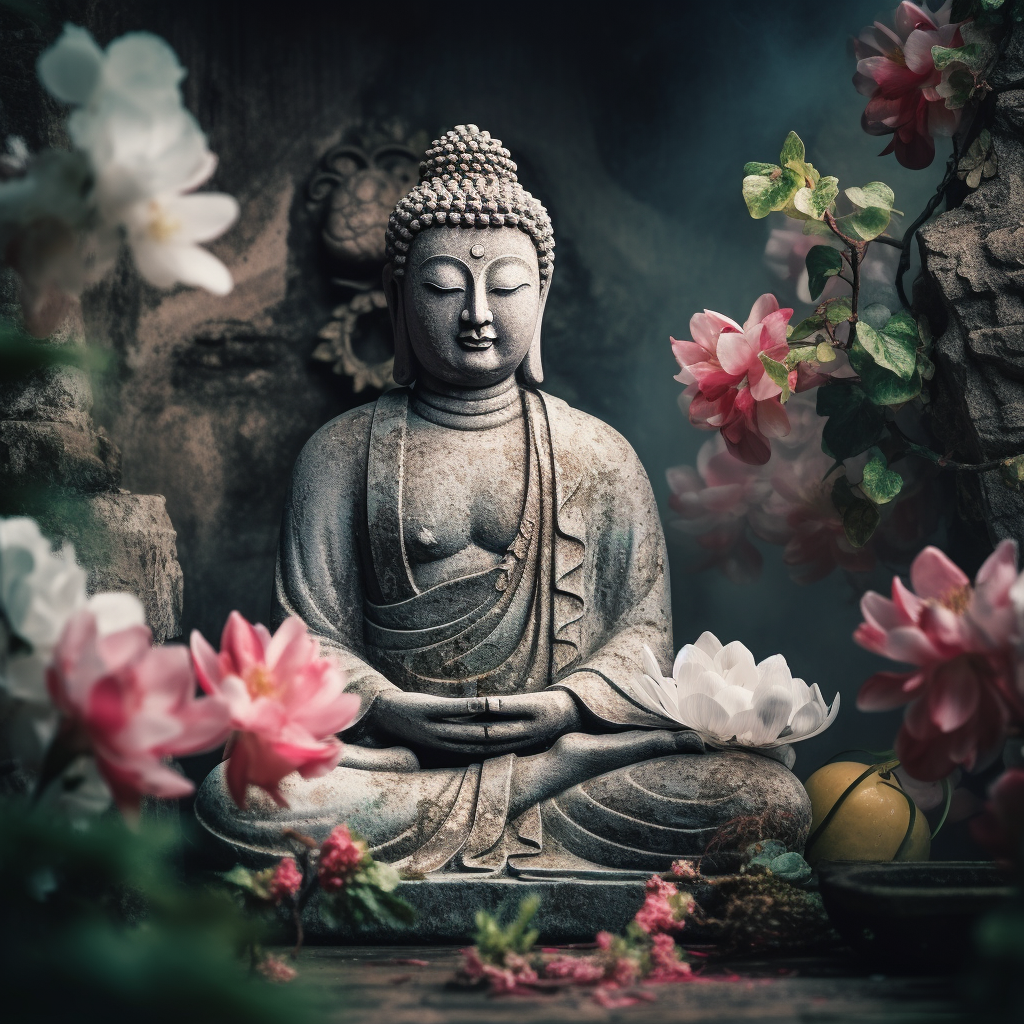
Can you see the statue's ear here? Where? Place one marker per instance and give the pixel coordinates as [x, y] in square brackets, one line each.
[404, 371]
[531, 369]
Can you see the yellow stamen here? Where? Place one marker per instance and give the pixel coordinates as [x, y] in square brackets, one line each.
[162, 226]
[260, 681]
[956, 599]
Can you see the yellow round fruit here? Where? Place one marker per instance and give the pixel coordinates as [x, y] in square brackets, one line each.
[871, 822]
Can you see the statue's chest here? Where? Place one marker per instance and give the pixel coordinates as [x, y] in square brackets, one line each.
[463, 490]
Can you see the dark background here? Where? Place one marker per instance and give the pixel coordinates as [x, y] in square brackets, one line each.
[630, 122]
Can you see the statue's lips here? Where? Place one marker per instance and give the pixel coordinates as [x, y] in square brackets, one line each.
[478, 339]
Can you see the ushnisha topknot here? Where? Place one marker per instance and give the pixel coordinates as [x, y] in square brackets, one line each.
[468, 180]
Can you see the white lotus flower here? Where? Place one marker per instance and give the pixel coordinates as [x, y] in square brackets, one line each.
[147, 151]
[40, 589]
[723, 696]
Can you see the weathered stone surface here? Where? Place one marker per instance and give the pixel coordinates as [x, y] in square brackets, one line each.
[136, 553]
[58, 454]
[974, 259]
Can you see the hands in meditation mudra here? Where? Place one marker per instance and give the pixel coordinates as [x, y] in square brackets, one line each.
[486, 564]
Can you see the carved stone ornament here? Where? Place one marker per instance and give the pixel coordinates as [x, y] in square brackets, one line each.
[486, 564]
[355, 189]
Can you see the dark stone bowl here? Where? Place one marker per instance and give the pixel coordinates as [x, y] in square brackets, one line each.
[910, 917]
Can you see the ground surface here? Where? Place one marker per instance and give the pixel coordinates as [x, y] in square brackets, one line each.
[385, 985]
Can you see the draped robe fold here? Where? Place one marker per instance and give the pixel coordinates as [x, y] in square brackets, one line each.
[581, 589]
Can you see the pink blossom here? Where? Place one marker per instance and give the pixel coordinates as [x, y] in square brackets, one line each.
[131, 705]
[800, 515]
[286, 880]
[684, 869]
[340, 858]
[1000, 827]
[727, 382]
[511, 978]
[286, 702]
[896, 70]
[660, 911]
[666, 965]
[961, 697]
[580, 970]
[273, 968]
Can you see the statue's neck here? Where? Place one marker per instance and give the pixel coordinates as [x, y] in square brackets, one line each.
[466, 408]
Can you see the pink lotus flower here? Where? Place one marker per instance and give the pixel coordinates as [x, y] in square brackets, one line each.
[131, 704]
[800, 515]
[286, 880]
[961, 698]
[340, 858]
[286, 703]
[730, 389]
[896, 70]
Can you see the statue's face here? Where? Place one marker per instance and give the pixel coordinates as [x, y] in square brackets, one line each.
[472, 300]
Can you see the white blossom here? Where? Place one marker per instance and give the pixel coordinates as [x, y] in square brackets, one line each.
[723, 696]
[40, 589]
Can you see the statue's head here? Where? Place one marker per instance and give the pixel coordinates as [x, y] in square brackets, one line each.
[470, 258]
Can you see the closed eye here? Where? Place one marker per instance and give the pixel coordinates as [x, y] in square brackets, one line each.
[433, 286]
[510, 291]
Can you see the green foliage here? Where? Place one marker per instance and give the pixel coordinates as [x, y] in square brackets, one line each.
[855, 423]
[838, 310]
[1012, 473]
[874, 195]
[778, 372]
[814, 203]
[894, 349]
[804, 329]
[823, 262]
[369, 896]
[864, 225]
[860, 516]
[792, 185]
[880, 484]
[22, 355]
[979, 161]
[972, 55]
[95, 925]
[493, 941]
[770, 857]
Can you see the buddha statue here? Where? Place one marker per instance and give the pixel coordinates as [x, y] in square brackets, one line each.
[486, 564]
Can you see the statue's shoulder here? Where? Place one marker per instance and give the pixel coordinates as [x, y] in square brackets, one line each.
[579, 435]
[338, 444]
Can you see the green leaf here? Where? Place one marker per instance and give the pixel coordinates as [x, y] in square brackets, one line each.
[814, 203]
[804, 329]
[842, 494]
[825, 353]
[876, 314]
[838, 310]
[790, 867]
[971, 54]
[755, 167]
[800, 354]
[865, 224]
[873, 194]
[880, 483]
[891, 351]
[792, 149]
[855, 423]
[859, 522]
[823, 262]
[926, 366]
[768, 192]
[882, 386]
[778, 373]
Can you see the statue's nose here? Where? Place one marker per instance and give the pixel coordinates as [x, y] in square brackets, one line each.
[476, 312]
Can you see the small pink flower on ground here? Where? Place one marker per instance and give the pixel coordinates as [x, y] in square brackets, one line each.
[131, 705]
[684, 869]
[1000, 828]
[962, 696]
[727, 382]
[273, 968]
[340, 858]
[666, 965]
[623, 971]
[661, 910]
[581, 970]
[604, 940]
[286, 702]
[286, 880]
[895, 68]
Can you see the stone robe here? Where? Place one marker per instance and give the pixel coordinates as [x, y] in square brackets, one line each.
[581, 590]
